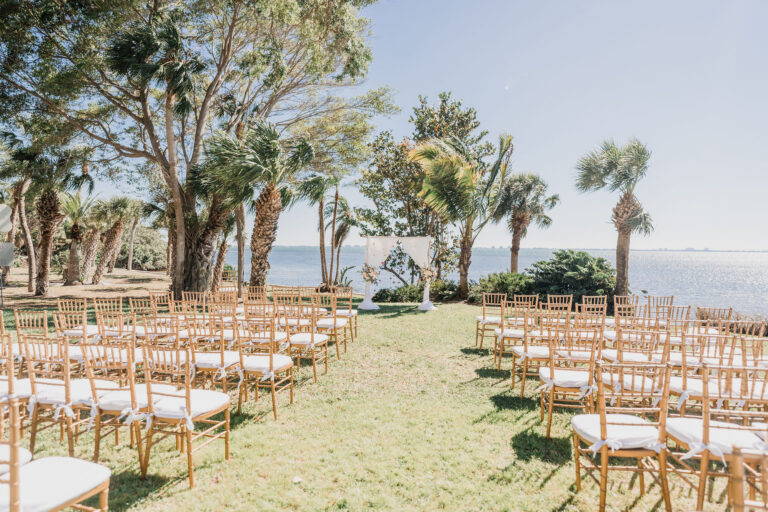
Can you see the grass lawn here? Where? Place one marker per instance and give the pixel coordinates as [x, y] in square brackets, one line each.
[412, 418]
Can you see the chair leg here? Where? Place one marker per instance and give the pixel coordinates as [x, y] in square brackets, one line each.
[226, 434]
[33, 429]
[551, 406]
[512, 375]
[702, 480]
[664, 482]
[477, 333]
[104, 500]
[190, 463]
[97, 438]
[291, 384]
[274, 399]
[603, 476]
[577, 461]
[641, 476]
[145, 465]
[314, 364]
[522, 378]
[70, 436]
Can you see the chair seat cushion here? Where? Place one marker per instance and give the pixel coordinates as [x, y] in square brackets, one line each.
[204, 401]
[630, 382]
[5, 454]
[213, 360]
[694, 387]
[690, 430]
[346, 312]
[305, 338]
[565, 378]
[489, 320]
[534, 351]
[22, 388]
[328, 323]
[90, 330]
[260, 363]
[79, 391]
[638, 433]
[50, 482]
[293, 321]
[611, 354]
[121, 399]
[516, 334]
[610, 334]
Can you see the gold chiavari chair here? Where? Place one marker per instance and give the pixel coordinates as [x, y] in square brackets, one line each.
[75, 327]
[345, 308]
[638, 346]
[626, 300]
[59, 399]
[630, 424]
[108, 305]
[559, 303]
[733, 405]
[176, 408]
[210, 341]
[110, 368]
[194, 300]
[330, 322]
[116, 327]
[48, 483]
[593, 304]
[224, 296]
[262, 365]
[161, 301]
[229, 275]
[534, 351]
[31, 321]
[526, 302]
[748, 480]
[164, 330]
[568, 379]
[140, 306]
[515, 324]
[490, 319]
[72, 305]
[256, 294]
[660, 300]
[291, 311]
[714, 315]
[308, 342]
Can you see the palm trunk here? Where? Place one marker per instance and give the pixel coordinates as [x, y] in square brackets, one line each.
[338, 262]
[268, 207]
[31, 252]
[115, 253]
[333, 230]
[91, 244]
[72, 272]
[622, 262]
[514, 251]
[171, 251]
[131, 240]
[240, 234]
[465, 259]
[111, 244]
[49, 217]
[179, 267]
[321, 232]
[218, 269]
[202, 249]
[11, 237]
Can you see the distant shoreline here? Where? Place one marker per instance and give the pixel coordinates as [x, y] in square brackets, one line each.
[352, 246]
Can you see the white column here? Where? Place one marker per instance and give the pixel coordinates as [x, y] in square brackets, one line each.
[426, 305]
[367, 303]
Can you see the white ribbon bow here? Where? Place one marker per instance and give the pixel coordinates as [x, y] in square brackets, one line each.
[697, 448]
[586, 391]
[613, 444]
[685, 395]
[67, 408]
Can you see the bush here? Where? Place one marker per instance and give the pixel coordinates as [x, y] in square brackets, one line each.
[148, 250]
[500, 282]
[439, 291]
[574, 272]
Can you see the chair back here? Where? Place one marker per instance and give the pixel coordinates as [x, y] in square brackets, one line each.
[714, 314]
[161, 301]
[31, 321]
[559, 302]
[108, 305]
[72, 305]
[492, 303]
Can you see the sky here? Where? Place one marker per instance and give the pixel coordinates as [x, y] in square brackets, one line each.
[688, 78]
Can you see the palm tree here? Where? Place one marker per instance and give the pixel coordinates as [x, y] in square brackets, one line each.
[115, 212]
[221, 256]
[619, 169]
[462, 189]
[135, 212]
[265, 161]
[342, 220]
[76, 209]
[315, 190]
[523, 201]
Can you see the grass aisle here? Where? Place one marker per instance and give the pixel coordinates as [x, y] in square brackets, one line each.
[412, 418]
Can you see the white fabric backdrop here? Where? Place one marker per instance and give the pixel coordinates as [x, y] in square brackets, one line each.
[377, 248]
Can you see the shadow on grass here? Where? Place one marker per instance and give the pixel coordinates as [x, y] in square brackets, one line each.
[393, 311]
[506, 401]
[128, 488]
[476, 351]
[529, 444]
[492, 373]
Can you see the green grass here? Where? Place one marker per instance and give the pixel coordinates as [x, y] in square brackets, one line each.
[412, 418]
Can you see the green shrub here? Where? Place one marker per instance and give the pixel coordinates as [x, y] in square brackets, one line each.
[439, 291]
[573, 272]
[500, 282]
[148, 250]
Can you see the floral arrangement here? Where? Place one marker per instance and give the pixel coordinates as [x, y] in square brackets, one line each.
[370, 274]
[427, 274]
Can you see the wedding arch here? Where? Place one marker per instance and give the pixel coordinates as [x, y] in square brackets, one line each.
[377, 249]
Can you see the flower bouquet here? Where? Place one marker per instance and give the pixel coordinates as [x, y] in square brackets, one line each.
[427, 274]
[370, 274]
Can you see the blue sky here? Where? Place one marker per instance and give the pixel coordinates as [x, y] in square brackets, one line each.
[688, 78]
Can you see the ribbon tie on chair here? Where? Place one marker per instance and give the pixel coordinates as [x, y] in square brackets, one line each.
[94, 412]
[613, 444]
[131, 416]
[586, 391]
[67, 408]
[697, 448]
[31, 405]
[547, 386]
[616, 389]
[685, 395]
[187, 419]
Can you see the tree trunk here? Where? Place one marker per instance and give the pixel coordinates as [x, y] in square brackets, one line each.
[240, 234]
[622, 262]
[321, 232]
[131, 239]
[31, 252]
[115, 253]
[268, 207]
[202, 249]
[91, 244]
[180, 249]
[338, 262]
[218, 269]
[111, 244]
[172, 251]
[49, 216]
[465, 259]
[72, 272]
[333, 231]
[11, 237]
[514, 251]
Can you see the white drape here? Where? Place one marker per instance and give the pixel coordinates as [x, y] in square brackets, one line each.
[377, 248]
[417, 247]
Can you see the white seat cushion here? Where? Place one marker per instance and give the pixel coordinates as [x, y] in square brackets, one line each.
[489, 320]
[214, 359]
[638, 434]
[689, 431]
[610, 334]
[611, 354]
[203, 402]
[346, 312]
[5, 454]
[516, 334]
[90, 330]
[694, 387]
[21, 388]
[305, 338]
[327, 323]
[534, 351]
[79, 392]
[260, 364]
[48, 483]
[121, 399]
[294, 321]
[565, 378]
[630, 382]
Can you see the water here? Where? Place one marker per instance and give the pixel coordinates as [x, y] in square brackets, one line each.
[736, 279]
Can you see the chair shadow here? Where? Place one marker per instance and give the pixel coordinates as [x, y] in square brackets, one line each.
[127, 488]
[393, 310]
[474, 351]
[529, 444]
[492, 373]
[506, 401]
